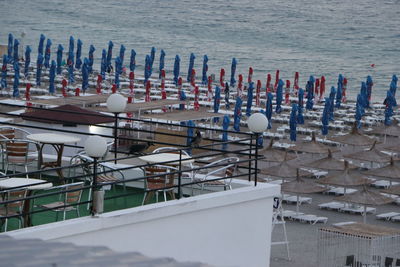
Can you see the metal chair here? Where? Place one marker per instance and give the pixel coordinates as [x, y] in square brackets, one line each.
[217, 176]
[14, 208]
[18, 153]
[69, 201]
[160, 180]
[8, 133]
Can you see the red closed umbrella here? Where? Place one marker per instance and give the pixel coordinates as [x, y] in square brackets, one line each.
[296, 81]
[147, 97]
[276, 79]
[222, 78]
[322, 88]
[64, 84]
[240, 86]
[98, 84]
[250, 77]
[209, 87]
[258, 91]
[196, 98]
[163, 93]
[287, 92]
[131, 82]
[268, 86]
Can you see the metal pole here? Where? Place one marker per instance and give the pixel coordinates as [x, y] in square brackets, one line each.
[251, 144]
[115, 137]
[94, 187]
[180, 175]
[255, 163]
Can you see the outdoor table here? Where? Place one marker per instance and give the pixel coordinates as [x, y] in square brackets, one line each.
[25, 183]
[161, 158]
[57, 141]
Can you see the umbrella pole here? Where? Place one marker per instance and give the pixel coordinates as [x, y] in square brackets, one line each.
[297, 205]
[365, 214]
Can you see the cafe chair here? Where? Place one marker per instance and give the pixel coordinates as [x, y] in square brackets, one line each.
[19, 152]
[13, 208]
[9, 132]
[68, 201]
[159, 179]
[217, 174]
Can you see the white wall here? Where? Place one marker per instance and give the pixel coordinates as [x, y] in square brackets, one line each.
[230, 228]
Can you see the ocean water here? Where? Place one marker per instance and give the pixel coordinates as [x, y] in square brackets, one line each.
[313, 37]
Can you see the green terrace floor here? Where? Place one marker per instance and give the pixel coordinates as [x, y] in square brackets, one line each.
[134, 198]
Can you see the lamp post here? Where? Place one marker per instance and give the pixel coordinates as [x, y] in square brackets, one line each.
[116, 104]
[257, 123]
[95, 147]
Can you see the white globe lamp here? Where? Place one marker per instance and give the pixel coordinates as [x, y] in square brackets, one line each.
[95, 146]
[257, 123]
[116, 103]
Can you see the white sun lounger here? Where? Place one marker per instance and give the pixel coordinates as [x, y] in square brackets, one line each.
[387, 216]
[342, 223]
[331, 205]
[395, 218]
[287, 214]
[293, 199]
[357, 210]
[310, 218]
[340, 190]
[383, 184]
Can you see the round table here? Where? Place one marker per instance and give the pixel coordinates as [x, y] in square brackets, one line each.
[165, 157]
[29, 184]
[57, 141]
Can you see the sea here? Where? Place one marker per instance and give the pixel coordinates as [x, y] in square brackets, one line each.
[355, 38]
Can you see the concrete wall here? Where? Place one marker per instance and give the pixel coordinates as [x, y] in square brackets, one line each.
[230, 228]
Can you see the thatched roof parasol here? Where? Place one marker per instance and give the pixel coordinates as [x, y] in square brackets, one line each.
[300, 186]
[391, 171]
[283, 170]
[392, 130]
[354, 138]
[271, 154]
[312, 146]
[371, 155]
[347, 177]
[394, 190]
[328, 163]
[365, 197]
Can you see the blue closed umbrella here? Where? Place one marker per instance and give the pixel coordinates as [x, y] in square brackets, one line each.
[109, 56]
[41, 44]
[310, 93]
[190, 135]
[16, 79]
[10, 48]
[147, 68]
[39, 65]
[122, 54]
[162, 62]
[103, 64]
[204, 77]
[237, 114]
[233, 70]
[91, 58]
[4, 72]
[300, 117]
[225, 126]
[364, 96]
[393, 85]
[390, 102]
[332, 103]
[293, 122]
[279, 96]
[176, 69]
[268, 109]
[369, 84]
[85, 75]
[28, 51]
[152, 57]
[249, 99]
[191, 65]
[70, 59]
[217, 101]
[182, 97]
[339, 91]
[325, 117]
[358, 115]
[47, 53]
[60, 50]
[118, 71]
[52, 77]
[132, 63]
[71, 78]
[78, 61]
[16, 44]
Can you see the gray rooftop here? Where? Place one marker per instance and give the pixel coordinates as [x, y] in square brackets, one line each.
[36, 252]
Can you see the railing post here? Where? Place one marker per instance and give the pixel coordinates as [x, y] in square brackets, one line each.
[94, 187]
[250, 157]
[115, 137]
[256, 162]
[180, 175]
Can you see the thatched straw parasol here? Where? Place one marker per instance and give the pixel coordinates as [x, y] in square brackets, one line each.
[354, 138]
[365, 197]
[392, 130]
[300, 186]
[329, 163]
[393, 190]
[345, 178]
[284, 170]
[271, 154]
[371, 155]
[391, 171]
[312, 147]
